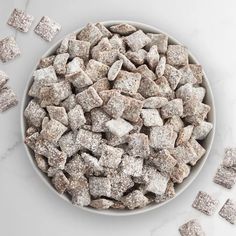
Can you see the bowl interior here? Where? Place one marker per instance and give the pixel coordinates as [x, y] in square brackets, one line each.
[207, 143]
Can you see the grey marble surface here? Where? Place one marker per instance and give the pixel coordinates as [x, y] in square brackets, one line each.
[27, 207]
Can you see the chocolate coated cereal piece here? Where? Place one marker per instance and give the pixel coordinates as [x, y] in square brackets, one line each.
[63, 48]
[60, 182]
[118, 43]
[185, 92]
[199, 93]
[96, 70]
[76, 167]
[199, 150]
[180, 172]
[177, 55]
[119, 127]
[123, 29]
[46, 62]
[153, 57]
[205, 203]
[151, 117]
[76, 117]
[69, 103]
[41, 162]
[192, 227]
[78, 48]
[59, 63]
[164, 162]
[127, 82]
[201, 131]
[88, 139]
[58, 113]
[3, 79]
[137, 40]
[225, 176]
[104, 30]
[155, 102]
[111, 156]
[8, 49]
[34, 114]
[138, 145]
[162, 137]
[90, 33]
[79, 190]
[172, 108]
[89, 99]
[135, 199]
[31, 140]
[164, 88]
[101, 203]
[184, 135]
[160, 40]
[146, 72]
[157, 184]
[148, 88]
[108, 57]
[173, 76]
[20, 20]
[53, 131]
[169, 193]
[101, 84]
[230, 158]
[114, 70]
[228, 211]
[100, 186]
[30, 131]
[160, 68]
[75, 66]
[92, 163]
[47, 28]
[137, 57]
[68, 143]
[127, 64]
[132, 165]
[187, 75]
[176, 122]
[99, 119]
[197, 72]
[8, 99]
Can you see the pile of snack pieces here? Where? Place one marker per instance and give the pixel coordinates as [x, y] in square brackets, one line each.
[115, 117]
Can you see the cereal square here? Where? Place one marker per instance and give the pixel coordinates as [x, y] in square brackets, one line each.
[205, 203]
[153, 57]
[20, 20]
[89, 99]
[53, 131]
[92, 163]
[99, 119]
[176, 122]
[88, 139]
[90, 33]
[187, 75]
[127, 82]
[101, 203]
[108, 57]
[177, 55]
[160, 69]
[69, 103]
[155, 102]
[137, 40]
[184, 135]
[76, 167]
[151, 117]
[135, 199]
[148, 88]
[132, 165]
[162, 137]
[8, 99]
[104, 30]
[114, 70]
[47, 28]
[199, 150]
[146, 72]
[172, 108]
[138, 145]
[228, 211]
[100, 186]
[173, 76]
[8, 49]
[201, 131]
[79, 49]
[160, 40]
[59, 63]
[111, 156]
[191, 228]
[60, 182]
[123, 29]
[46, 62]
[76, 117]
[34, 114]
[137, 57]
[119, 127]
[197, 72]
[3, 79]
[180, 172]
[103, 45]
[58, 113]
[75, 65]
[230, 158]
[225, 176]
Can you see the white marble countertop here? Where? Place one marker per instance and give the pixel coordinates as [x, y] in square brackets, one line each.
[208, 28]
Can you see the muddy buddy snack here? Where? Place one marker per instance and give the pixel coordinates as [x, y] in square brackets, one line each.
[191, 228]
[116, 117]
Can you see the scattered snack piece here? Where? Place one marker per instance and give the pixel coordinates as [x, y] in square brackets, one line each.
[230, 158]
[3, 79]
[8, 99]
[225, 176]
[47, 28]
[20, 20]
[205, 203]
[116, 115]
[228, 211]
[8, 49]
[191, 228]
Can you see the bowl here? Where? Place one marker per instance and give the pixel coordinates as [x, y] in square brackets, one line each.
[207, 143]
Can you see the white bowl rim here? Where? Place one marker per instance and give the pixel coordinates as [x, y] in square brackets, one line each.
[114, 212]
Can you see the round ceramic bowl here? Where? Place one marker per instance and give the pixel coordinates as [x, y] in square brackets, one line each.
[207, 143]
